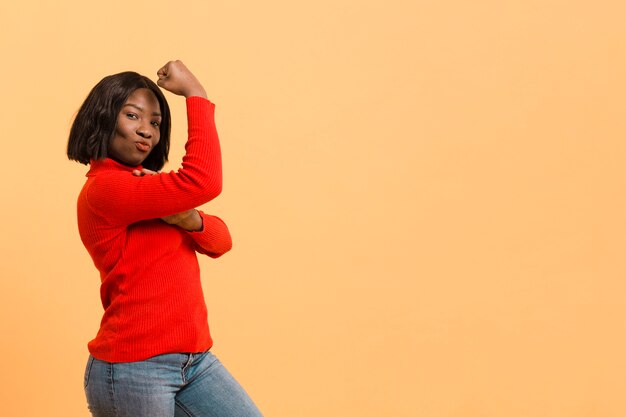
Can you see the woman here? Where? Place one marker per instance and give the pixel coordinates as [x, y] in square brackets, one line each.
[151, 355]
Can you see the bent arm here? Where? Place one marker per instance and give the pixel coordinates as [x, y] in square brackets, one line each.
[124, 199]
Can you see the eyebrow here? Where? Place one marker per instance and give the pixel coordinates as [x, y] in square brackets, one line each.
[156, 113]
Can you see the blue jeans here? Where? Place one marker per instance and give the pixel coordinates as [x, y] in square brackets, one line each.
[171, 385]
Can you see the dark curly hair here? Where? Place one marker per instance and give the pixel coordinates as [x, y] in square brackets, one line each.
[96, 120]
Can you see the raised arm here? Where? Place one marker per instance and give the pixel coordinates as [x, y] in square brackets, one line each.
[124, 199]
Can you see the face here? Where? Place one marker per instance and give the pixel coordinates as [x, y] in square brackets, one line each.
[138, 128]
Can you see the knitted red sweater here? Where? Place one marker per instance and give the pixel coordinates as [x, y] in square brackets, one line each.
[151, 290]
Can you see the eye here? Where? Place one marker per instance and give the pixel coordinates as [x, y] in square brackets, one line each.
[156, 124]
[131, 116]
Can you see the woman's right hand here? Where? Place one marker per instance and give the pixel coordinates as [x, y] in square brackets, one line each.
[176, 78]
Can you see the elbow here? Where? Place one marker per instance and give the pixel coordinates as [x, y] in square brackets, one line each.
[225, 246]
[217, 189]
[209, 192]
[203, 188]
[223, 241]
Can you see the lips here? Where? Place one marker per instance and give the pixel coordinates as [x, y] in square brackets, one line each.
[142, 146]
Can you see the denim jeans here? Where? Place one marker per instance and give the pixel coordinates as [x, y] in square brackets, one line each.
[170, 385]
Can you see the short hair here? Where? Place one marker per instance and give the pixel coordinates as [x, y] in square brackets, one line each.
[96, 120]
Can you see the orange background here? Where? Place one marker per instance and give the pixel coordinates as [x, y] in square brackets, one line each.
[426, 198]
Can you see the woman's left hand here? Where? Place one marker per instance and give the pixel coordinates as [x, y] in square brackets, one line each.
[145, 171]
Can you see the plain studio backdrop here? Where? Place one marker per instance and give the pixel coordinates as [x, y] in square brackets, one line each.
[426, 200]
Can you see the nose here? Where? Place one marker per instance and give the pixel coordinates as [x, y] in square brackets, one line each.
[144, 132]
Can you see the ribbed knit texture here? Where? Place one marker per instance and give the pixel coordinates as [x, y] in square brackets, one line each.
[151, 291]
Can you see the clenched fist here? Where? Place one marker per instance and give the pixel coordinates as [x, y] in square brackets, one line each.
[176, 78]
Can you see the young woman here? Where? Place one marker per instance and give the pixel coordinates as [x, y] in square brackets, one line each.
[151, 355]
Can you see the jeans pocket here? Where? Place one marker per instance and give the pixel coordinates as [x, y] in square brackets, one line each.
[88, 370]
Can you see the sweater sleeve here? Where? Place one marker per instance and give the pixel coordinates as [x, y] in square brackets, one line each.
[123, 198]
[214, 239]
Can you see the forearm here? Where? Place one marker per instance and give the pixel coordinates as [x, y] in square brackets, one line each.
[126, 199]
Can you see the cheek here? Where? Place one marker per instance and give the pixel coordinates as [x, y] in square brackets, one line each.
[122, 130]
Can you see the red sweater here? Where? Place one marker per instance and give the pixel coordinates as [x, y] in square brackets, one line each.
[151, 290]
